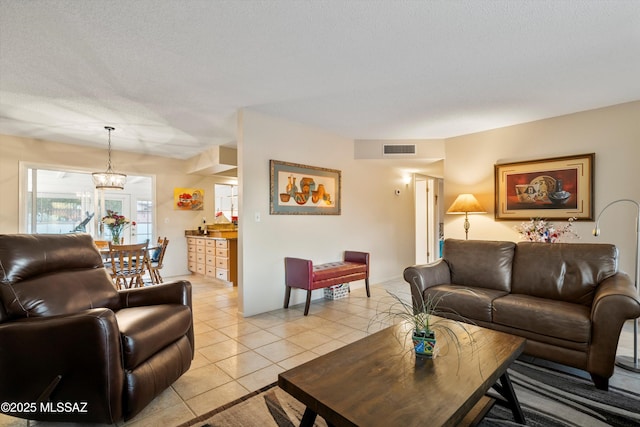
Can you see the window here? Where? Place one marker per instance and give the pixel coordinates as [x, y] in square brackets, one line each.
[60, 201]
[227, 201]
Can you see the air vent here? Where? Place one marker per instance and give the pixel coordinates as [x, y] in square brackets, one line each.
[399, 149]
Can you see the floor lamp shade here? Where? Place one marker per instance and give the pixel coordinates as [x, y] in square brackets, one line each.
[466, 204]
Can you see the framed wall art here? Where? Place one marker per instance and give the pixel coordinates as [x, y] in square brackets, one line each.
[188, 199]
[304, 190]
[557, 188]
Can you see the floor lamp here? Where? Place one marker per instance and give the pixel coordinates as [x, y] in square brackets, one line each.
[466, 204]
[626, 362]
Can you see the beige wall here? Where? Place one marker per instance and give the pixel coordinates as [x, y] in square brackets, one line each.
[373, 218]
[169, 173]
[612, 133]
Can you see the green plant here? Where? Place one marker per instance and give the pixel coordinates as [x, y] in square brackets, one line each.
[425, 317]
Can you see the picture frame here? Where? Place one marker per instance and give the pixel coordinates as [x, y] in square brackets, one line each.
[304, 190]
[556, 188]
[188, 199]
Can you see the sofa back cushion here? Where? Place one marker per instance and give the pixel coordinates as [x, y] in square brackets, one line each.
[47, 275]
[567, 272]
[480, 263]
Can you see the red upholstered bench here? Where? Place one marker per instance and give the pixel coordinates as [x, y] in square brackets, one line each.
[301, 273]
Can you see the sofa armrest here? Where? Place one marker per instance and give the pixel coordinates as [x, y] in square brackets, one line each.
[421, 277]
[615, 302]
[83, 348]
[178, 292]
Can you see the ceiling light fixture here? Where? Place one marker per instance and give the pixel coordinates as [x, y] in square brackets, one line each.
[109, 179]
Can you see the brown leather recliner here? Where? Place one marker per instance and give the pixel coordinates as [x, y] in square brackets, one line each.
[72, 347]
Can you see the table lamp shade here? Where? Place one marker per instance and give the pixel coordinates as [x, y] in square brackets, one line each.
[466, 203]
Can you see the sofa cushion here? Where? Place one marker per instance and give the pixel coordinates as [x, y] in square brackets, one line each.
[332, 270]
[39, 279]
[567, 272]
[552, 318]
[146, 330]
[480, 263]
[463, 303]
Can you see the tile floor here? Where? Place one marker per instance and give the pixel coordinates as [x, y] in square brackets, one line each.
[236, 355]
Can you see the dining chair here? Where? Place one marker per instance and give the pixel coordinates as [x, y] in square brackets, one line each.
[154, 262]
[128, 263]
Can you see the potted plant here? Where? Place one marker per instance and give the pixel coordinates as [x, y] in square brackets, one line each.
[425, 322]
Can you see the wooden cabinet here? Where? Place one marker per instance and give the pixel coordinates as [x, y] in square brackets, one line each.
[213, 257]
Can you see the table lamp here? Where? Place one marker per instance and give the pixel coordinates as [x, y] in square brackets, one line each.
[466, 204]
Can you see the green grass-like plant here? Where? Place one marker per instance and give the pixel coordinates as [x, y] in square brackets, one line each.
[425, 316]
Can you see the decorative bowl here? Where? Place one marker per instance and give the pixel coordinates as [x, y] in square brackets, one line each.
[284, 197]
[559, 197]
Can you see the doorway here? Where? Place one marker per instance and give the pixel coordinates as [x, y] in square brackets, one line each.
[428, 218]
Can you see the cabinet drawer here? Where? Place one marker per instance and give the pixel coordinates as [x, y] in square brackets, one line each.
[211, 260]
[222, 262]
[200, 258]
[200, 249]
[191, 248]
[223, 243]
[200, 269]
[210, 250]
[192, 266]
[200, 242]
[191, 241]
[210, 243]
[222, 252]
[210, 271]
[222, 274]
[192, 257]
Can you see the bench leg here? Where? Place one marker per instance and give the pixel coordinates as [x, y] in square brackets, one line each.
[287, 296]
[308, 303]
[366, 282]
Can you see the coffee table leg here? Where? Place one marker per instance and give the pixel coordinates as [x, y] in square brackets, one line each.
[505, 388]
[308, 418]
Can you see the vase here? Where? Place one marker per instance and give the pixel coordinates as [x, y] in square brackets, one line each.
[115, 239]
[424, 344]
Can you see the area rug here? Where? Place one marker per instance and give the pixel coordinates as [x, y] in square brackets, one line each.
[548, 399]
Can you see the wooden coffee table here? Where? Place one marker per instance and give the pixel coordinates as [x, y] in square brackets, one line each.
[378, 381]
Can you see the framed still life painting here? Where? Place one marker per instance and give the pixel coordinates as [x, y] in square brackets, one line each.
[188, 199]
[303, 190]
[557, 188]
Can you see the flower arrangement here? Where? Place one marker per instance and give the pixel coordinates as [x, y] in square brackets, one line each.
[540, 230]
[116, 224]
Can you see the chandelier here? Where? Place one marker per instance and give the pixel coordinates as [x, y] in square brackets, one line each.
[109, 179]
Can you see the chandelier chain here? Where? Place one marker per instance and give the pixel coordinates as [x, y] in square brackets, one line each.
[109, 129]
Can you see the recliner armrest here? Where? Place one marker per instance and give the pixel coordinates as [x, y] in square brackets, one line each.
[178, 292]
[84, 348]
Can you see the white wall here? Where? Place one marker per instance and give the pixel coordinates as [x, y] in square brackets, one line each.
[612, 133]
[373, 218]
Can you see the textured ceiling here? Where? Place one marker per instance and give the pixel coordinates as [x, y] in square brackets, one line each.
[170, 74]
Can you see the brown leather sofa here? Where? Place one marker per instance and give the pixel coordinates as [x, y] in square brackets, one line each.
[72, 347]
[567, 299]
